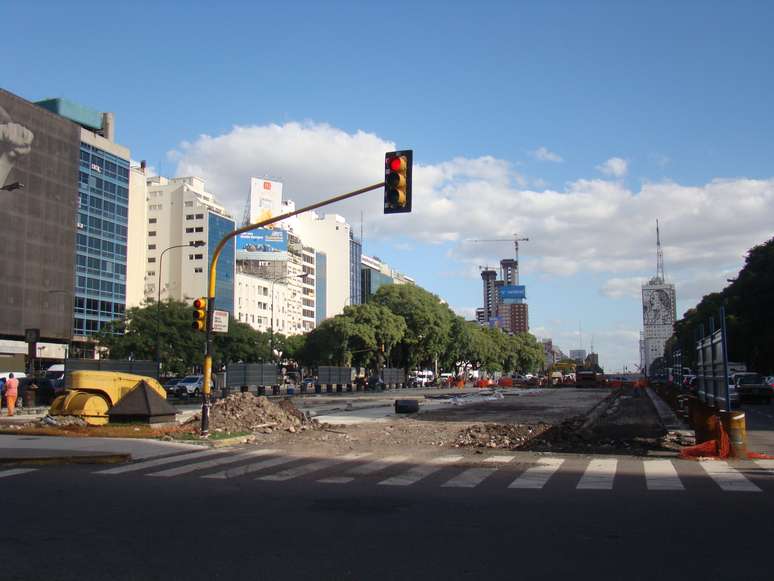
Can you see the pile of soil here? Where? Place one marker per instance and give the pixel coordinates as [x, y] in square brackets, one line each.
[245, 412]
[505, 436]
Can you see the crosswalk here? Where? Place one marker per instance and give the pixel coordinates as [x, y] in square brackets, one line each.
[498, 471]
[456, 471]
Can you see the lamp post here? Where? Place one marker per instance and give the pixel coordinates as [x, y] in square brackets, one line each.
[197, 244]
[271, 324]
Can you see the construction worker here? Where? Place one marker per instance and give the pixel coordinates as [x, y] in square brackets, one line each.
[11, 392]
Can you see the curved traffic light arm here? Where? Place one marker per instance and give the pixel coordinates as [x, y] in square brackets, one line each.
[205, 429]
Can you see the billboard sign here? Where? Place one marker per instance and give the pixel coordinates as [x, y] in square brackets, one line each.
[513, 294]
[220, 321]
[251, 244]
[265, 199]
[39, 154]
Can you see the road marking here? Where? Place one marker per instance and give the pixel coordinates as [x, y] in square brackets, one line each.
[599, 474]
[537, 476]
[662, 475]
[420, 471]
[250, 468]
[472, 477]
[365, 469]
[501, 459]
[160, 462]
[310, 467]
[188, 468]
[16, 472]
[728, 478]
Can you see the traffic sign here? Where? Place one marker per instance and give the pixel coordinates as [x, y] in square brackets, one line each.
[220, 321]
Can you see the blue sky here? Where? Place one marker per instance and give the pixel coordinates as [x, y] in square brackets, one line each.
[678, 92]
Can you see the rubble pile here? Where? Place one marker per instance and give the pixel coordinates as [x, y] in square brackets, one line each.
[62, 421]
[245, 412]
[571, 436]
[506, 436]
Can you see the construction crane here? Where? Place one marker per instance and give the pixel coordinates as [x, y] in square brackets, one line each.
[515, 240]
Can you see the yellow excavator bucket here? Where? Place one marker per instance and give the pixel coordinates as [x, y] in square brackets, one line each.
[91, 394]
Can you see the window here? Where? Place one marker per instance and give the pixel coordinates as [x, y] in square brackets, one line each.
[151, 220]
[151, 247]
[152, 233]
[189, 230]
[189, 204]
[199, 229]
[198, 256]
[198, 269]
[151, 273]
[152, 259]
[199, 216]
[189, 216]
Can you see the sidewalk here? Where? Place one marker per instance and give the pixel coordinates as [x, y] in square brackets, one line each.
[66, 450]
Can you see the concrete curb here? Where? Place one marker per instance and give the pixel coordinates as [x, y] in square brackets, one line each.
[667, 417]
[64, 460]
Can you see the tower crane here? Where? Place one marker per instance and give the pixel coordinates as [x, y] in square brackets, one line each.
[515, 240]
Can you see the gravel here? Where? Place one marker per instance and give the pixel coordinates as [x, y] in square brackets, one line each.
[245, 412]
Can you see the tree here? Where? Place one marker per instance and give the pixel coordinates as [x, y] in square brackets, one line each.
[134, 337]
[428, 323]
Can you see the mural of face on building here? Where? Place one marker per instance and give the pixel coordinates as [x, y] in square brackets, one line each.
[657, 308]
[15, 140]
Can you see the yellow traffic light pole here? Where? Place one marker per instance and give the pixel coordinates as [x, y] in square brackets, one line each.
[206, 402]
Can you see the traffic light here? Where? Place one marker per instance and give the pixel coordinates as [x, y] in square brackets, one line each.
[397, 181]
[200, 314]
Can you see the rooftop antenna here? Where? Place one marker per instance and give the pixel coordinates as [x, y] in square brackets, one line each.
[246, 211]
[659, 257]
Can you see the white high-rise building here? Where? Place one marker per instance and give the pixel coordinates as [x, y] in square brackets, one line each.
[181, 212]
[659, 311]
[137, 246]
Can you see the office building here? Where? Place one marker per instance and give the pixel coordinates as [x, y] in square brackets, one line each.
[513, 318]
[102, 240]
[488, 278]
[275, 283]
[182, 212]
[659, 311]
[375, 274]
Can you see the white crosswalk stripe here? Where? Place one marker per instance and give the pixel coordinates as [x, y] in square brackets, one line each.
[536, 477]
[15, 472]
[661, 475]
[599, 474]
[250, 468]
[188, 468]
[161, 462]
[310, 467]
[365, 470]
[420, 471]
[729, 479]
[472, 477]
[767, 465]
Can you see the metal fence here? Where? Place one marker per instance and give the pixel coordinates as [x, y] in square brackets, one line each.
[327, 375]
[258, 374]
[146, 368]
[712, 365]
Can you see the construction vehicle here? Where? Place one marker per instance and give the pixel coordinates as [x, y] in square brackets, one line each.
[91, 394]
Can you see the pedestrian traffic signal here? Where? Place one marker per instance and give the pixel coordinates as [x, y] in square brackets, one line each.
[397, 181]
[200, 314]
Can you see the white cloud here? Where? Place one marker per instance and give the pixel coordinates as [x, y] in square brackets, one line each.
[544, 154]
[626, 287]
[615, 166]
[589, 226]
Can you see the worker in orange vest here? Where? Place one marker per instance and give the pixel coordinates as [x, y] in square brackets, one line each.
[11, 392]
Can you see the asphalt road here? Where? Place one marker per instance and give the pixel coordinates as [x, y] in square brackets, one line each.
[72, 523]
[759, 419]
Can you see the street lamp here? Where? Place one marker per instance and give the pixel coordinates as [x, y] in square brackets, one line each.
[196, 244]
[271, 324]
[13, 186]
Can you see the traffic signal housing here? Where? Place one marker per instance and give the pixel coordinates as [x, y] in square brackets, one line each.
[397, 181]
[200, 314]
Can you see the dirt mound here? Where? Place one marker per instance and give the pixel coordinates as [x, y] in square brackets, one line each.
[245, 412]
[507, 436]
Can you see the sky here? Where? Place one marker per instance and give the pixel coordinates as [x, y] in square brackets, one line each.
[574, 124]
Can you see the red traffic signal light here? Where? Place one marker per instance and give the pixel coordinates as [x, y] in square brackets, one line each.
[200, 314]
[397, 181]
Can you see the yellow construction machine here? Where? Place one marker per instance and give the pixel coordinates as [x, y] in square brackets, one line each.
[91, 394]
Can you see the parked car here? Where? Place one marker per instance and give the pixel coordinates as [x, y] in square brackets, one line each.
[191, 386]
[752, 387]
[770, 380]
[170, 385]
